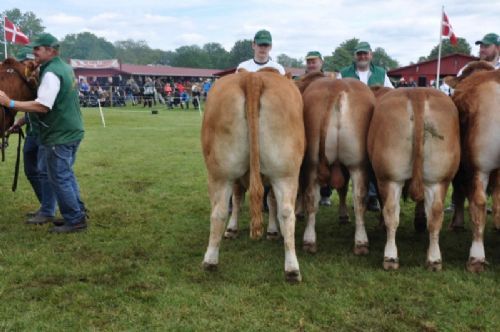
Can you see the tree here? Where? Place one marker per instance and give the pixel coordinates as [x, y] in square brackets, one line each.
[137, 52]
[218, 57]
[241, 51]
[446, 48]
[29, 24]
[287, 61]
[382, 59]
[87, 46]
[342, 56]
[190, 56]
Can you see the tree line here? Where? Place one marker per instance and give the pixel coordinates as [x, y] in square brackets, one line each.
[87, 46]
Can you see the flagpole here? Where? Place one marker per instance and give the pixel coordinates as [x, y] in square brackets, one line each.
[4, 38]
[439, 52]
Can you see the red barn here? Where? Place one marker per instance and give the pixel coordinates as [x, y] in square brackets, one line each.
[424, 72]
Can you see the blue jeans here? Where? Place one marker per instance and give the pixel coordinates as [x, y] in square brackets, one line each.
[60, 159]
[35, 168]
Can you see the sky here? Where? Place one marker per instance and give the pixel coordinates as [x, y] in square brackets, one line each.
[405, 29]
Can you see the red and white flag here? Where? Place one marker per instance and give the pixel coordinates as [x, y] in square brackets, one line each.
[13, 34]
[447, 30]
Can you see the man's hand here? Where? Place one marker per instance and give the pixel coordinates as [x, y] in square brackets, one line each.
[14, 129]
[4, 99]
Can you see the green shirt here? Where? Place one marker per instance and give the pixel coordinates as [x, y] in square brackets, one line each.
[377, 75]
[32, 125]
[63, 123]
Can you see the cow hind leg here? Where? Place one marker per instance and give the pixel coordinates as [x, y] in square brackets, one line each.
[477, 208]
[220, 192]
[237, 200]
[343, 212]
[311, 199]
[285, 191]
[434, 204]
[496, 201]
[359, 181]
[390, 193]
[273, 232]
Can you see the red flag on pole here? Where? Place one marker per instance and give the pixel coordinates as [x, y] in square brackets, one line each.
[447, 30]
[13, 34]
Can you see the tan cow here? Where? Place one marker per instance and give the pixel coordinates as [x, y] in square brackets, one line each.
[477, 96]
[337, 114]
[414, 140]
[253, 126]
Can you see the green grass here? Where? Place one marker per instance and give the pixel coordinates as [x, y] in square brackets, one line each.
[138, 267]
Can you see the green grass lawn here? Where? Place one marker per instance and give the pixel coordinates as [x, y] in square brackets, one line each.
[138, 266]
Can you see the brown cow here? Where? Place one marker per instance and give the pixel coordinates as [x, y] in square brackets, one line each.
[477, 96]
[337, 114]
[16, 81]
[253, 126]
[414, 136]
[419, 221]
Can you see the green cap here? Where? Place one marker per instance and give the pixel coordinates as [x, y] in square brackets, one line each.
[362, 47]
[491, 38]
[25, 53]
[263, 37]
[44, 39]
[313, 55]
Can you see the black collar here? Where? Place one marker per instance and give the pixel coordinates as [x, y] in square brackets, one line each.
[261, 63]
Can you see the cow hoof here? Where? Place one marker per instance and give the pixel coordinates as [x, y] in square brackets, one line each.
[475, 265]
[310, 247]
[209, 266]
[273, 236]
[361, 249]
[293, 277]
[420, 225]
[434, 266]
[343, 220]
[231, 233]
[391, 263]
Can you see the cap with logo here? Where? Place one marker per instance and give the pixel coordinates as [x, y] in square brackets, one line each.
[489, 39]
[263, 37]
[362, 47]
[313, 55]
[44, 39]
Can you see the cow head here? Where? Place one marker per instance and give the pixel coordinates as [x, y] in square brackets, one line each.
[307, 79]
[471, 68]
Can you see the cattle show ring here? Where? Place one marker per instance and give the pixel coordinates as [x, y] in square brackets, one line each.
[205, 210]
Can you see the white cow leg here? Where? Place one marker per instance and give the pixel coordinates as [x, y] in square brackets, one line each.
[285, 191]
[477, 208]
[237, 200]
[359, 194]
[311, 204]
[391, 193]
[434, 202]
[273, 232]
[219, 192]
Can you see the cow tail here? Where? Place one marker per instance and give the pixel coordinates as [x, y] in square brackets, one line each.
[253, 90]
[417, 180]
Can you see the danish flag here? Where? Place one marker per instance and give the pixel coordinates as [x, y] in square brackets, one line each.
[447, 30]
[13, 34]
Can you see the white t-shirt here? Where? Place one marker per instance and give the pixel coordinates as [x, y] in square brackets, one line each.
[252, 66]
[365, 75]
[48, 90]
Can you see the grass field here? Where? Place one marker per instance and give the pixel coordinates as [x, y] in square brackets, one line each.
[138, 267]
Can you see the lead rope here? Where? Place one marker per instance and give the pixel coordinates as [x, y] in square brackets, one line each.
[3, 134]
[18, 159]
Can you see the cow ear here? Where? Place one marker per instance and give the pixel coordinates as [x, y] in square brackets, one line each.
[451, 81]
[288, 75]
